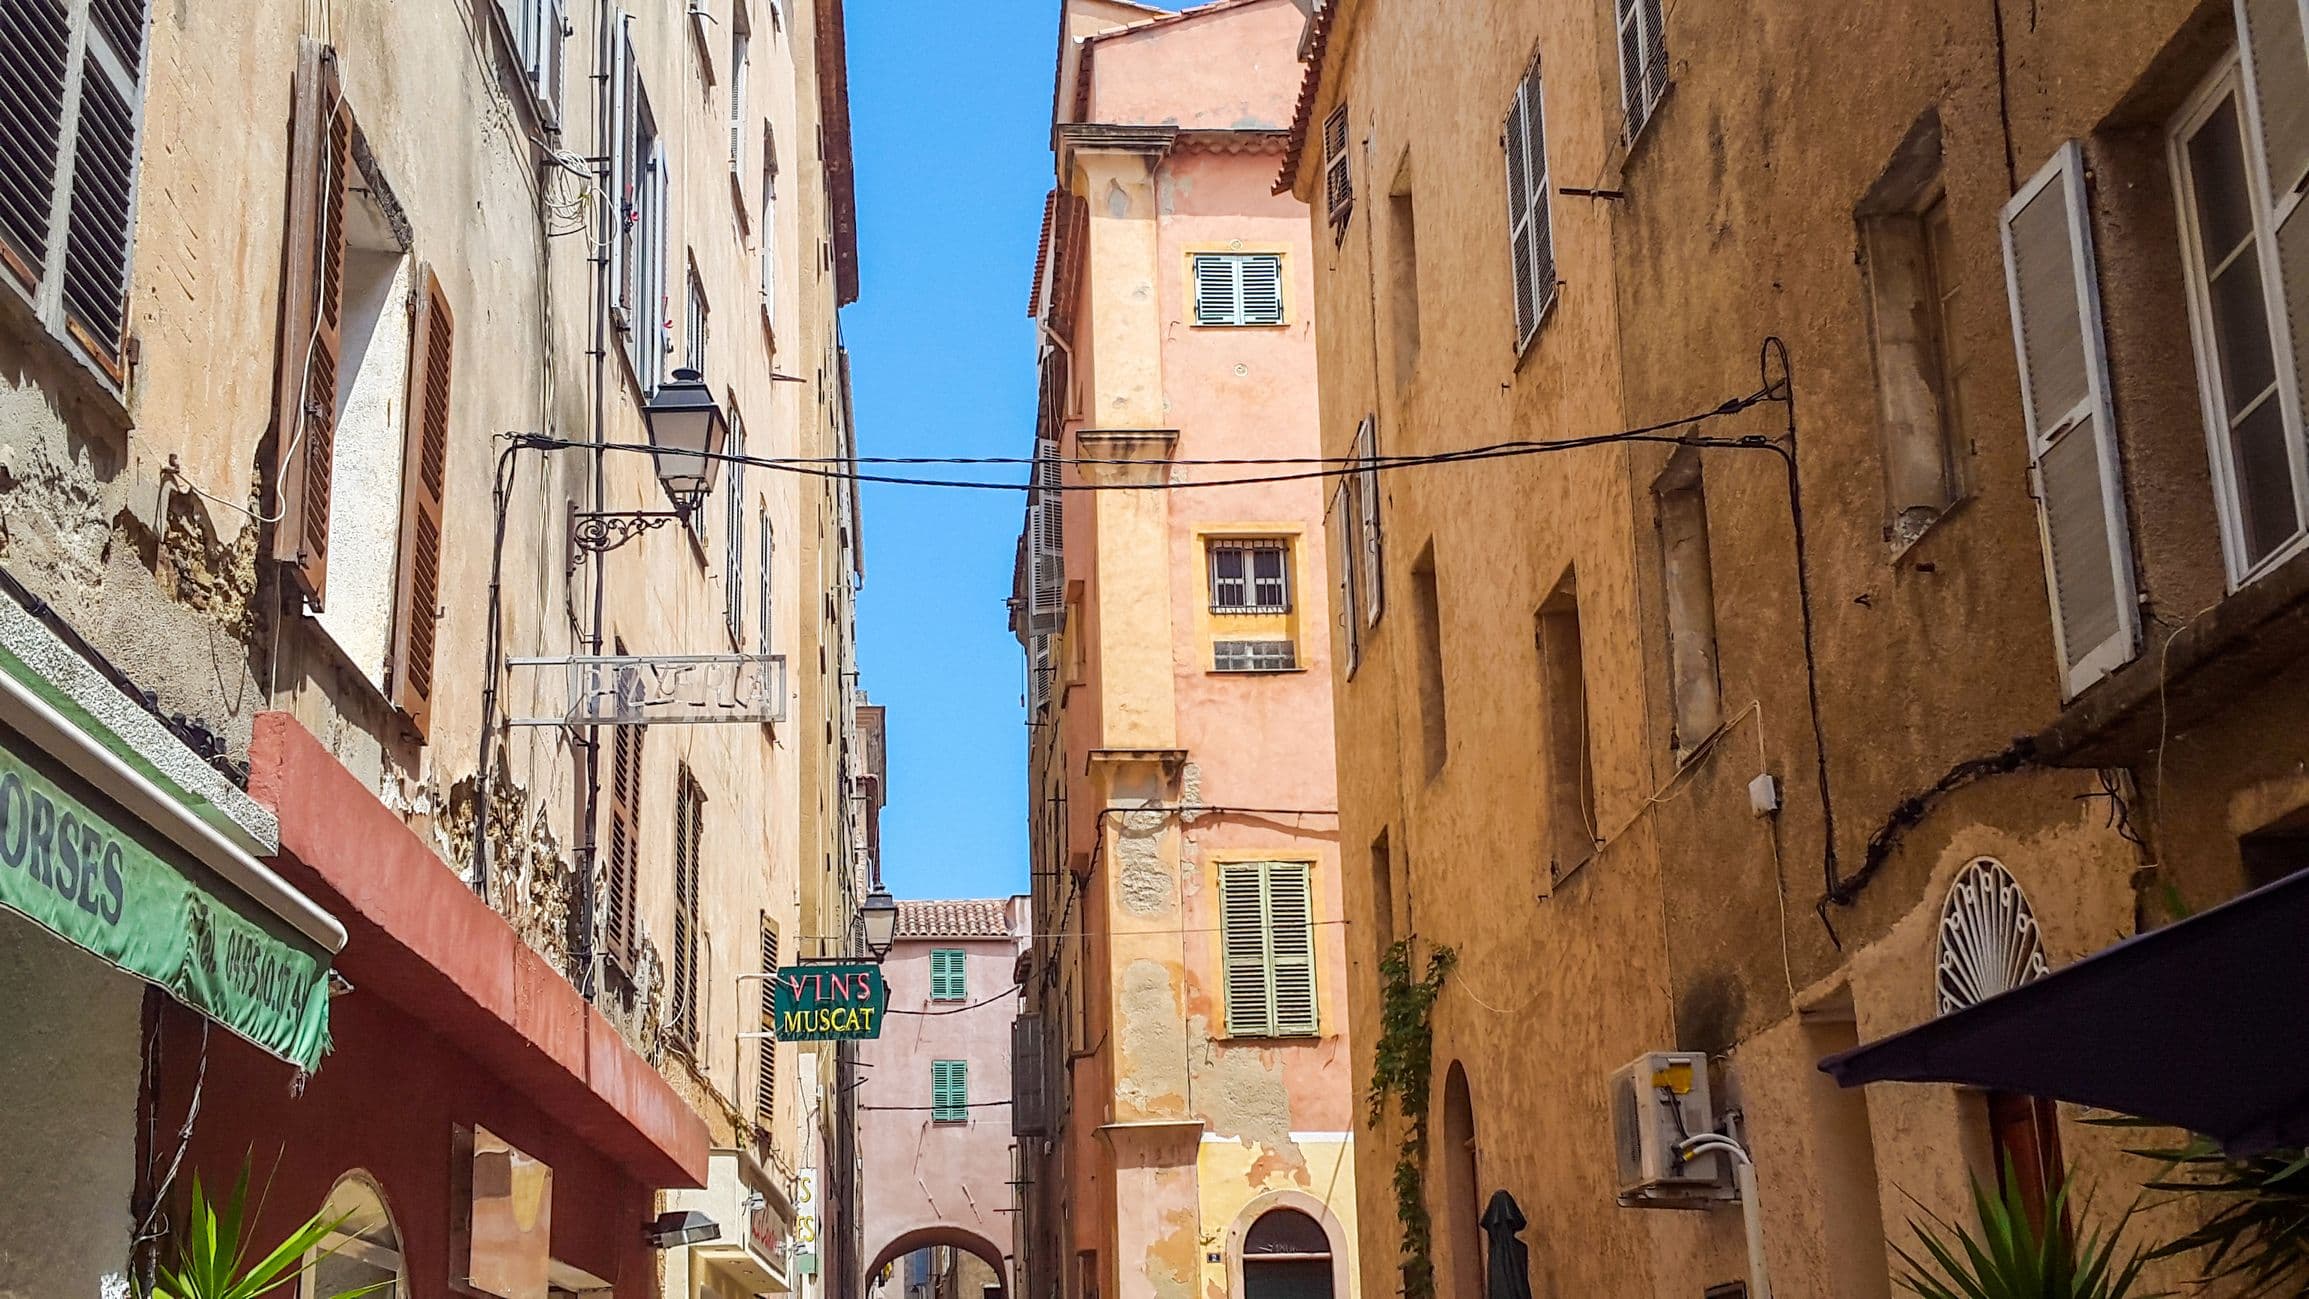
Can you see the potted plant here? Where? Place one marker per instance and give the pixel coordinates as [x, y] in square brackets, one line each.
[212, 1253]
[2016, 1254]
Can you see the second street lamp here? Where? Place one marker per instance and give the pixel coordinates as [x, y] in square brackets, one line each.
[686, 436]
[880, 912]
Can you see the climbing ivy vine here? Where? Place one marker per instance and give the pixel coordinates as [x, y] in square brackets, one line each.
[1405, 1063]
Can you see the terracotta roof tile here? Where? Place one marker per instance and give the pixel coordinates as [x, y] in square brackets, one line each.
[953, 918]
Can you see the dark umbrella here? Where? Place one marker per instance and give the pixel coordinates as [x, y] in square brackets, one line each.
[1510, 1267]
[2203, 1024]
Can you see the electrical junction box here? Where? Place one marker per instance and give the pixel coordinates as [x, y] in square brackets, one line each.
[1660, 1099]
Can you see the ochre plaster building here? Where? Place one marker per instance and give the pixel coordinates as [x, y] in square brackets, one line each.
[1673, 761]
[1183, 1074]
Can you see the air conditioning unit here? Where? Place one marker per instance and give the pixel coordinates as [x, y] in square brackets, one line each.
[1658, 1100]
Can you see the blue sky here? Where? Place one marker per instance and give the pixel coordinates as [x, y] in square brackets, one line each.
[950, 111]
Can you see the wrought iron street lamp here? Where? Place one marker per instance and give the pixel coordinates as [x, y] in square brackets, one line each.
[880, 912]
[686, 436]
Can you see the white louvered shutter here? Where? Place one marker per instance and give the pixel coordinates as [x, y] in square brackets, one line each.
[1218, 296]
[1046, 542]
[1261, 278]
[2276, 48]
[1338, 169]
[1643, 61]
[1530, 237]
[1291, 947]
[1367, 520]
[1040, 673]
[2074, 468]
[1250, 991]
[1341, 526]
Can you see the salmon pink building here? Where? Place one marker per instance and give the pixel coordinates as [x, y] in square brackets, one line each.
[1183, 1086]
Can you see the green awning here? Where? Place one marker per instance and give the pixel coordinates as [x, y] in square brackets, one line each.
[120, 865]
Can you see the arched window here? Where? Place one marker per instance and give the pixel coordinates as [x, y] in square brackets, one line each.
[1990, 944]
[1461, 1230]
[363, 1251]
[1286, 1255]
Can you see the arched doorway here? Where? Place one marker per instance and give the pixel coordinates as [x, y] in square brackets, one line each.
[922, 1238]
[1286, 1255]
[364, 1250]
[1460, 1228]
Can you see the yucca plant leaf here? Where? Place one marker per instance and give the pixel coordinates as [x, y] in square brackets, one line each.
[2010, 1253]
[213, 1250]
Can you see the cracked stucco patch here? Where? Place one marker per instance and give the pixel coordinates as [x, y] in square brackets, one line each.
[1144, 880]
[1172, 1263]
[1153, 1039]
[1242, 1094]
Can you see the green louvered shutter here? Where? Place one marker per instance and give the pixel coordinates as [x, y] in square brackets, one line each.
[1250, 992]
[1291, 947]
[949, 1090]
[947, 979]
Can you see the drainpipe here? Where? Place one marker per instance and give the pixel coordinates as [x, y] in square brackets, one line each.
[1751, 1209]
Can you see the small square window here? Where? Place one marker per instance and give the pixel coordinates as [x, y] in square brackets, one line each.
[1238, 288]
[1250, 576]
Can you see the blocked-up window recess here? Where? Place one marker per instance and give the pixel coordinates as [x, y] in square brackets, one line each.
[1427, 610]
[1572, 834]
[1695, 688]
[1907, 249]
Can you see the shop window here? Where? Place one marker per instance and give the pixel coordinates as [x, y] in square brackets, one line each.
[1695, 689]
[1570, 784]
[363, 1251]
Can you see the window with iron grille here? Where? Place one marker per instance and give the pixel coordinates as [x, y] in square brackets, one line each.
[948, 978]
[766, 1048]
[1250, 575]
[1254, 656]
[688, 843]
[949, 1091]
[1238, 288]
[1267, 948]
[69, 143]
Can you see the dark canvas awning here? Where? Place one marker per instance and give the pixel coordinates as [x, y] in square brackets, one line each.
[2203, 1024]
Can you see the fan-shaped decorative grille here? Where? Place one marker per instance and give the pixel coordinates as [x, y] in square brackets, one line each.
[1989, 941]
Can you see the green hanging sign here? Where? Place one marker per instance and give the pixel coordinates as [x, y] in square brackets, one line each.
[70, 868]
[829, 1003]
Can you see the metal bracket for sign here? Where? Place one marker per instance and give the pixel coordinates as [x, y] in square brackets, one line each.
[663, 689]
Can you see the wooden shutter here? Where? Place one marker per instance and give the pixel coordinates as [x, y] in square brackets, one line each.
[1338, 167]
[424, 482]
[100, 216]
[1246, 971]
[624, 835]
[766, 1062]
[35, 56]
[2276, 56]
[1366, 493]
[688, 834]
[305, 397]
[1530, 237]
[1029, 1092]
[1291, 946]
[2056, 325]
